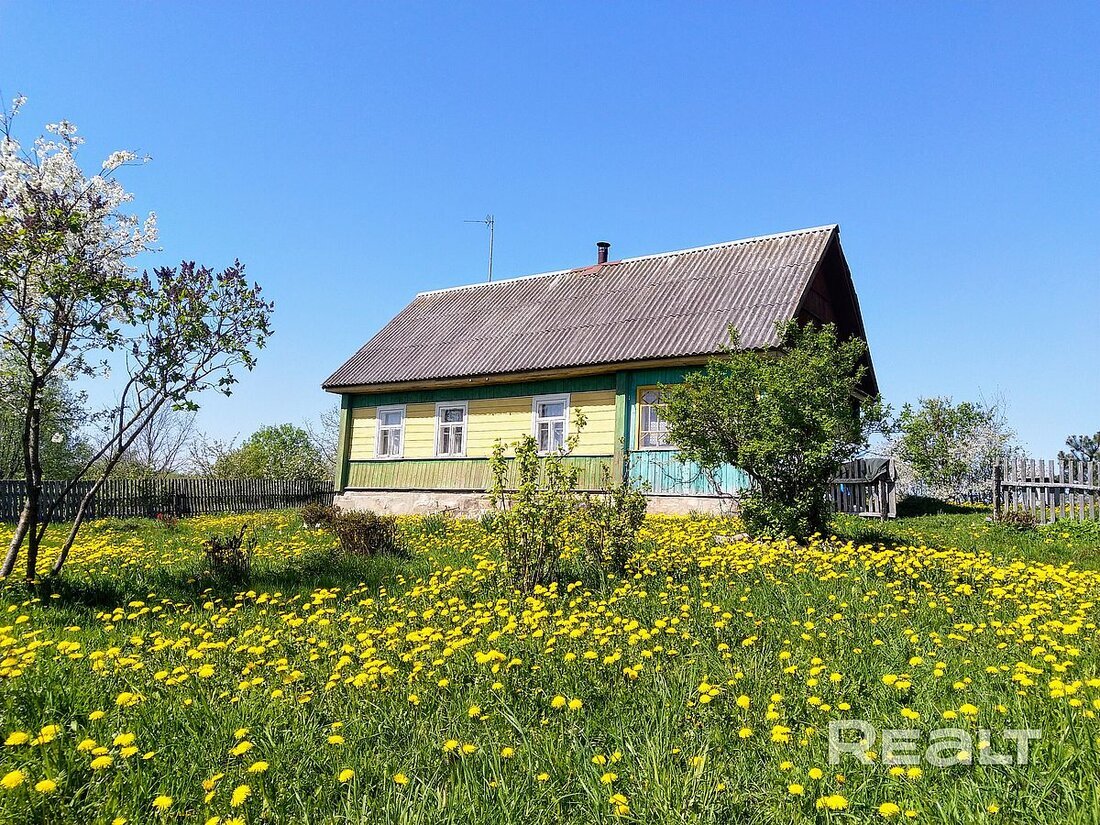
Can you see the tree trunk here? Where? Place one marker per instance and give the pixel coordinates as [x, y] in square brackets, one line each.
[17, 540]
[112, 462]
[32, 486]
[34, 490]
[63, 555]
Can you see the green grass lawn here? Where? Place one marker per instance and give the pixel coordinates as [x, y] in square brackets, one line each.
[699, 688]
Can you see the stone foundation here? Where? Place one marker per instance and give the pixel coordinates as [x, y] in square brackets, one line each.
[472, 505]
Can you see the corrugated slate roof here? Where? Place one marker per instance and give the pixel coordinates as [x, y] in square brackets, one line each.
[672, 305]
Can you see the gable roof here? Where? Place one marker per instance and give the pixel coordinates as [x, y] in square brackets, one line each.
[672, 305]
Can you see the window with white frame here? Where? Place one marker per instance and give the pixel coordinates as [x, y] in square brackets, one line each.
[550, 415]
[652, 430]
[391, 432]
[450, 429]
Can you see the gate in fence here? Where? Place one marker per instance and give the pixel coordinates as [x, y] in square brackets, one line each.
[174, 496]
[866, 487]
[1047, 489]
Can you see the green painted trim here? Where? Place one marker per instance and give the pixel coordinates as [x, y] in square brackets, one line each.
[622, 424]
[580, 383]
[343, 444]
[454, 474]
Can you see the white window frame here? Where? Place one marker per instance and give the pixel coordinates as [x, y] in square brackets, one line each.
[549, 399]
[639, 431]
[439, 424]
[379, 414]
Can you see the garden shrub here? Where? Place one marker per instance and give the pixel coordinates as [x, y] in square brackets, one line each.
[363, 533]
[533, 522]
[539, 519]
[229, 556]
[316, 515]
[610, 524]
[1020, 520]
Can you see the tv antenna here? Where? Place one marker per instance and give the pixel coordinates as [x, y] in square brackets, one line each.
[489, 222]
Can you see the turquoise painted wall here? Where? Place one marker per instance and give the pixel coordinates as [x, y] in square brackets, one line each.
[662, 470]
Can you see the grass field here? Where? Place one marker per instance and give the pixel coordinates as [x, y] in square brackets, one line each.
[699, 688]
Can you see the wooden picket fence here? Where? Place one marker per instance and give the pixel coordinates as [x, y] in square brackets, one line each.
[174, 497]
[1047, 489]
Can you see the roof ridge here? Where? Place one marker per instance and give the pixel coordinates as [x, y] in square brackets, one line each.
[669, 254]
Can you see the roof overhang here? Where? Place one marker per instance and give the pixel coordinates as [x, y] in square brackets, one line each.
[516, 377]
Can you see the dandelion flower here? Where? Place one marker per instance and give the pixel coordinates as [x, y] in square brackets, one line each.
[794, 789]
[101, 762]
[240, 795]
[507, 753]
[17, 738]
[241, 748]
[162, 803]
[346, 775]
[401, 779]
[12, 779]
[888, 809]
[336, 739]
[257, 767]
[45, 786]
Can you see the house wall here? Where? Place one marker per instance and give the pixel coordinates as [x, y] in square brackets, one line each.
[488, 420]
[504, 412]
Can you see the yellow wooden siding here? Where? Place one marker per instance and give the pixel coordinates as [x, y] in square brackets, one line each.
[363, 424]
[489, 420]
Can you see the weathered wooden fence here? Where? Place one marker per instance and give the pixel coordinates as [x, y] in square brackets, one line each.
[175, 496]
[866, 487]
[1047, 489]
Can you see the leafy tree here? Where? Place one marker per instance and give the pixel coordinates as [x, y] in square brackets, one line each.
[68, 298]
[65, 284]
[64, 446]
[788, 417]
[1082, 448]
[951, 448]
[274, 452]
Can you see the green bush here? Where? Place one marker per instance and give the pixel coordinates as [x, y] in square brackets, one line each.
[317, 515]
[363, 533]
[610, 523]
[786, 416]
[229, 556]
[1020, 520]
[545, 513]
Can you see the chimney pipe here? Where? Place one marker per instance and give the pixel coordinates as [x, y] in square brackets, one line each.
[602, 248]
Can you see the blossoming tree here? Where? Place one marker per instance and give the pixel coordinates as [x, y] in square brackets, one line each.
[71, 301]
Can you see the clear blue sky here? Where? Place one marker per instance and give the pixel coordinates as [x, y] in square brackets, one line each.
[337, 148]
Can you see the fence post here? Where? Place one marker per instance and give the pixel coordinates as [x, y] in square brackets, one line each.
[998, 491]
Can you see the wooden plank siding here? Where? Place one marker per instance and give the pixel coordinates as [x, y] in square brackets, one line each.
[662, 473]
[488, 420]
[503, 412]
[455, 474]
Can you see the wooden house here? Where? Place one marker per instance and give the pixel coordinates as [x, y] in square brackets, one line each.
[424, 401]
